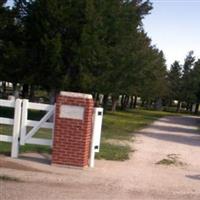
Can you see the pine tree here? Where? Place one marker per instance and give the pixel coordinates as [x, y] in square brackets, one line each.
[174, 83]
[11, 46]
[187, 89]
[196, 84]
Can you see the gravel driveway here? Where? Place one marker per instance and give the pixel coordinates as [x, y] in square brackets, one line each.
[165, 165]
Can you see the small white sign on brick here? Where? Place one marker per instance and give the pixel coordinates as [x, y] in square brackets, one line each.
[72, 112]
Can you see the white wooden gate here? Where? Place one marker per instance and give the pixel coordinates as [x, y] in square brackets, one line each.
[27, 136]
[22, 134]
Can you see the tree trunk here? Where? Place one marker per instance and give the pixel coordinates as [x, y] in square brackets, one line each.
[32, 93]
[93, 95]
[114, 103]
[188, 106]
[25, 91]
[191, 106]
[148, 104]
[105, 102]
[15, 91]
[170, 103]
[158, 104]
[126, 102]
[122, 101]
[178, 106]
[197, 109]
[132, 102]
[4, 89]
[52, 96]
[135, 102]
[143, 103]
[97, 100]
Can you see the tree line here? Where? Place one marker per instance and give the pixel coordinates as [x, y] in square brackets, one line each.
[90, 46]
[184, 83]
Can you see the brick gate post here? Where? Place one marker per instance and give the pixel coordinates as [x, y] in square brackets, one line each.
[73, 129]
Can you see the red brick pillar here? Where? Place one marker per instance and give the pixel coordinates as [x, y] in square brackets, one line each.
[73, 128]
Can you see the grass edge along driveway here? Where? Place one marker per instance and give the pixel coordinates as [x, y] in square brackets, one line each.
[118, 130]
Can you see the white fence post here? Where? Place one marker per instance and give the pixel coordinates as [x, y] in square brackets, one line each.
[24, 121]
[96, 135]
[16, 129]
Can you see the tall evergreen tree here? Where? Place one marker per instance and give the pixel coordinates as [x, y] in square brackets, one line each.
[174, 83]
[187, 89]
[196, 84]
[153, 86]
[42, 21]
[11, 46]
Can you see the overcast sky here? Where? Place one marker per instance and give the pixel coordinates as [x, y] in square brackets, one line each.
[174, 26]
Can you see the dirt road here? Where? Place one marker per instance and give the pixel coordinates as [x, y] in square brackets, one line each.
[173, 142]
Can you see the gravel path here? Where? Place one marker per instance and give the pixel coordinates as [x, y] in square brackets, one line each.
[174, 139]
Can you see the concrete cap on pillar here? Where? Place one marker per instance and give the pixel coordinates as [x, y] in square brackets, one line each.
[76, 95]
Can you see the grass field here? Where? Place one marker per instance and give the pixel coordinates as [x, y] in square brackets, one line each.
[117, 126]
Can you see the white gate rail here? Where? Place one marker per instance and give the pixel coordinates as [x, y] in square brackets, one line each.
[7, 103]
[16, 122]
[6, 121]
[20, 135]
[26, 137]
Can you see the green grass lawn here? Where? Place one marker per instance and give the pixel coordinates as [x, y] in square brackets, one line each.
[42, 133]
[118, 126]
[121, 125]
[113, 152]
